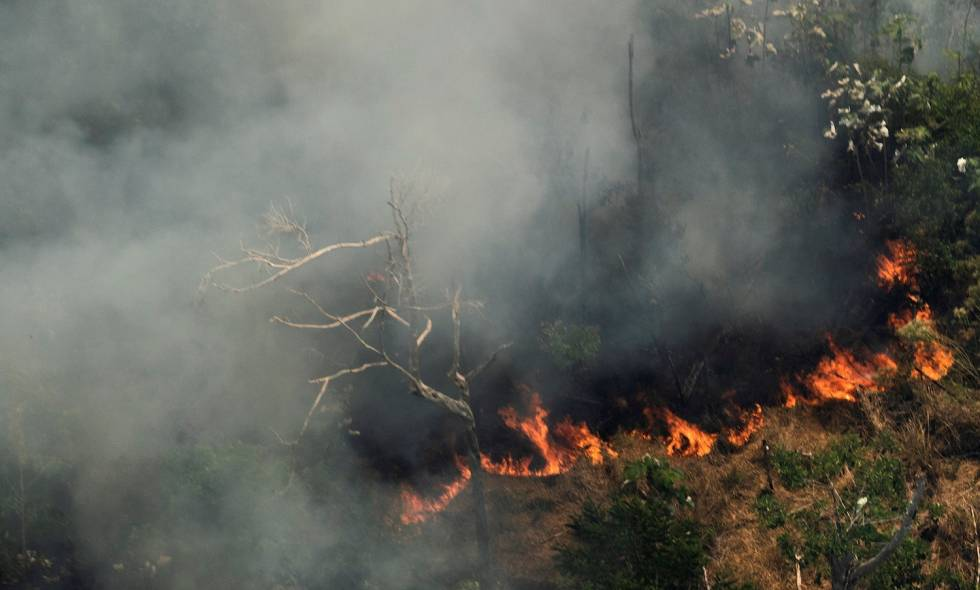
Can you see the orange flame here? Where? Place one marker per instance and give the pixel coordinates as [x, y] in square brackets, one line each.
[573, 441]
[897, 321]
[684, 439]
[416, 509]
[789, 393]
[840, 376]
[932, 359]
[751, 423]
[897, 267]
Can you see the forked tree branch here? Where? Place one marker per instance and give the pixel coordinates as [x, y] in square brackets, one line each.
[325, 383]
[285, 266]
[903, 530]
[398, 273]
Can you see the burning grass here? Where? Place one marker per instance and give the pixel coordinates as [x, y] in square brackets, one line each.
[752, 422]
[684, 439]
[560, 448]
[530, 514]
[417, 509]
[839, 376]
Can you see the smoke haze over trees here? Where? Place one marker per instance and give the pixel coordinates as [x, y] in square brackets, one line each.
[143, 413]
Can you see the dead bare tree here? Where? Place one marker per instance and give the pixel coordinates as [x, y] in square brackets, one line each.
[845, 570]
[396, 300]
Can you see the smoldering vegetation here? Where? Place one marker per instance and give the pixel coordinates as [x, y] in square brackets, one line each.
[143, 417]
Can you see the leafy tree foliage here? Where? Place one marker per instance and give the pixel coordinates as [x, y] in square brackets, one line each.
[645, 538]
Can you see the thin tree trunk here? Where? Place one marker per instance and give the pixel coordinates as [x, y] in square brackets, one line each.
[637, 134]
[965, 40]
[486, 568]
[21, 466]
[765, 33]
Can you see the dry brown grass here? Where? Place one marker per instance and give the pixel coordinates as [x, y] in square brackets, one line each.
[955, 540]
[529, 515]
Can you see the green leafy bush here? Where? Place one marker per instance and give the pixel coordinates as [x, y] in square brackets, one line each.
[795, 469]
[644, 539]
[570, 344]
[791, 468]
[771, 512]
[867, 508]
[830, 462]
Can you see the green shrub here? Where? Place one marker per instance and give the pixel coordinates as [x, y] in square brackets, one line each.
[570, 344]
[903, 571]
[642, 540]
[771, 512]
[791, 467]
[830, 462]
[946, 579]
[869, 506]
[883, 481]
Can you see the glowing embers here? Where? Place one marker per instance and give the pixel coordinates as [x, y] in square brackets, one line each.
[897, 266]
[559, 448]
[416, 509]
[839, 376]
[683, 438]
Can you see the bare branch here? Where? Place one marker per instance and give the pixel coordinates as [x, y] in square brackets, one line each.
[278, 221]
[420, 388]
[374, 314]
[285, 266]
[342, 321]
[425, 332]
[454, 371]
[325, 383]
[490, 360]
[869, 566]
[373, 311]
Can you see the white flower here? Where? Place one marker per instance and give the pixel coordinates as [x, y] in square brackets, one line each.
[961, 165]
[850, 146]
[831, 132]
[862, 502]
